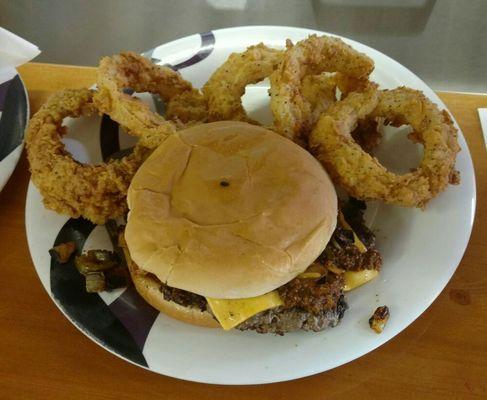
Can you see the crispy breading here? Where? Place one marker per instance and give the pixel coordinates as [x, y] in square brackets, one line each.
[226, 86]
[96, 192]
[361, 174]
[188, 108]
[132, 71]
[311, 56]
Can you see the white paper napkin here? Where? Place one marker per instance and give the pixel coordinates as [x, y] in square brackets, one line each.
[14, 51]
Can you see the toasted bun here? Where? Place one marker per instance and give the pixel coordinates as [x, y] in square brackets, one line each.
[229, 210]
[148, 287]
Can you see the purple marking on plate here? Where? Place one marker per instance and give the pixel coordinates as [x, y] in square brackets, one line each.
[3, 93]
[135, 314]
[206, 47]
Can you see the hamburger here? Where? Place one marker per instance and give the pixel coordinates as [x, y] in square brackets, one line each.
[230, 225]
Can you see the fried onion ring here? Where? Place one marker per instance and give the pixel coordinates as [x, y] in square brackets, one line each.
[226, 86]
[312, 56]
[187, 108]
[132, 71]
[319, 91]
[361, 174]
[368, 133]
[96, 192]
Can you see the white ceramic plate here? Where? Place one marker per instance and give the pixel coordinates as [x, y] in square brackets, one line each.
[421, 250]
[14, 113]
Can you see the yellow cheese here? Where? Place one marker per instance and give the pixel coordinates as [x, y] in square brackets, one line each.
[231, 312]
[333, 268]
[354, 279]
[356, 241]
[309, 275]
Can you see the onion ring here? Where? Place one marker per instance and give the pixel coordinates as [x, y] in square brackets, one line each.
[130, 70]
[361, 174]
[226, 86]
[368, 133]
[347, 84]
[96, 192]
[311, 56]
[319, 91]
[187, 108]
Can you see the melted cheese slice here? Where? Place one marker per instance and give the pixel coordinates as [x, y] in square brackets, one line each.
[231, 312]
[309, 275]
[354, 279]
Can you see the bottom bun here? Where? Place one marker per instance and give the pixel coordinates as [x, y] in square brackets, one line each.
[148, 287]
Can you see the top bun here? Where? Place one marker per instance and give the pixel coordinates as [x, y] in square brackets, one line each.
[229, 210]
